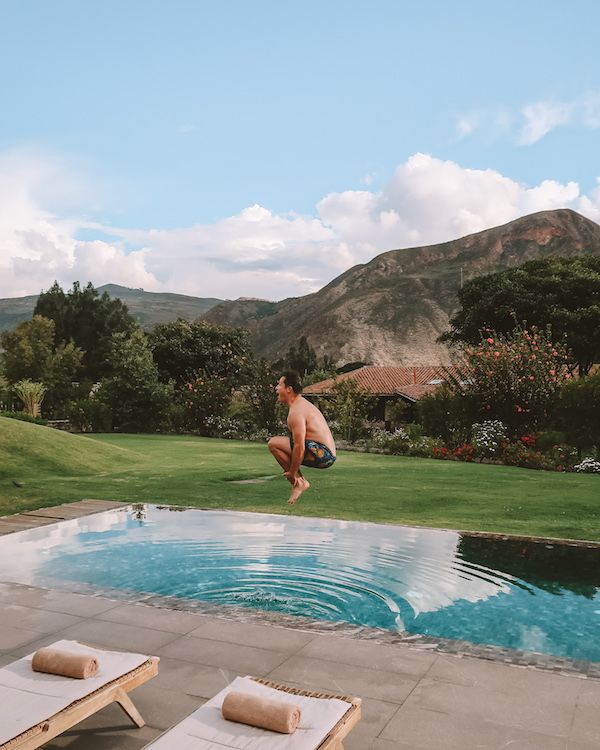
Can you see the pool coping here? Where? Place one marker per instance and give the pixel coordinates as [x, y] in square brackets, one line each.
[513, 657]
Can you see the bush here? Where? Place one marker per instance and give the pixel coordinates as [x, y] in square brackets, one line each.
[578, 412]
[588, 466]
[396, 442]
[89, 415]
[549, 439]
[519, 453]
[446, 415]
[488, 438]
[22, 417]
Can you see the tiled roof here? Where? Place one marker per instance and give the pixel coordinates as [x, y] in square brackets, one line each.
[411, 382]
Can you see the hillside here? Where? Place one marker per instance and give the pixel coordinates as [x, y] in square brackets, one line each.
[391, 310]
[28, 450]
[149, 308]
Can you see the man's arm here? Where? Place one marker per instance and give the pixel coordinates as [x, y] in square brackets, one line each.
[297, 424]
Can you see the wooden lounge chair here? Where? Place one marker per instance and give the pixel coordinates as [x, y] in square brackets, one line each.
[36, 707]
[327, 719]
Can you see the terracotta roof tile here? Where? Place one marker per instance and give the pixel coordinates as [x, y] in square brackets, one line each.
[412, 382]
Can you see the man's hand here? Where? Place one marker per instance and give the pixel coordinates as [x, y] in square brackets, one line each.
[292, 478]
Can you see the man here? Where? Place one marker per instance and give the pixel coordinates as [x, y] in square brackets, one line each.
[310, 443]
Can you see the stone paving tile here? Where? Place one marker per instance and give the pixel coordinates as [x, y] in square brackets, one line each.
[247, 634]
[163, 708]
[469, 671]
[193, 679]
[318, 674]
[400, 659]
[426, 729]
[247, 660]
[108, 729]
[552, 715]
[156, 618]
[16, 615]
[118, 636]
[63, 601]
[586, 721]
[15, 638]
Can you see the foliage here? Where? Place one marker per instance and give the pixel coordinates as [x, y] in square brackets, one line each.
[318, 375]
[259, 394]
[30, 354]
[578, 411]
[31, 394]
[301, 358]
[562, 292]
[205, 399]
[446, 415]
[396, 442]
[137, 400]
[89, 415]
[549, 439]
[89, 321]
[350, 407]
[513, 377]
[23, 417]
[487, 438]
[183, 350]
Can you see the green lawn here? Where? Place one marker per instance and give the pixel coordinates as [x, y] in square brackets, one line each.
[54, 467]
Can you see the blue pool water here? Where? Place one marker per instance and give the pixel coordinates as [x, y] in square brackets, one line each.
[523, 595]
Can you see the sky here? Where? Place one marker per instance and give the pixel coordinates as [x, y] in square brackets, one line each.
[260, 149]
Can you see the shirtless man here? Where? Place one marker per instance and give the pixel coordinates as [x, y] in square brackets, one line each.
[310, 443]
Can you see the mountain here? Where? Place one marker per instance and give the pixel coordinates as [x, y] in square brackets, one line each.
[149, 308]
[391, 310]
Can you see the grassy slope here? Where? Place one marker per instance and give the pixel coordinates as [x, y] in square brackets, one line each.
[195, 471]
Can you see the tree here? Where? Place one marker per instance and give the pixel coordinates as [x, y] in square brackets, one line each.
[30, 354]
[301, 358]
[134, 394]
[89, 320]
[578, 412]
[31, 394]
[561, 292]
[514, 377]
[350, 407]
[185, 351]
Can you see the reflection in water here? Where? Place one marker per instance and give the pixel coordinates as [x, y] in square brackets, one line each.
[515, 594]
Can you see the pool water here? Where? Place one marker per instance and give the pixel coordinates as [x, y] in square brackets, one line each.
[523, 595]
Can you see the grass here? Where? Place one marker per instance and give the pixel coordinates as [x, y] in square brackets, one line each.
[54, 467]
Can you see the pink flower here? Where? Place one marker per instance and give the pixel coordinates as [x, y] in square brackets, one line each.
[490, 341]
[568, 375]
[496, 354]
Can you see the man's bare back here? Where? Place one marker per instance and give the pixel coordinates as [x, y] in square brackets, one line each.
[310, 443]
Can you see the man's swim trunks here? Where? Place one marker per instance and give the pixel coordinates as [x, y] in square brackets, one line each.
[316, 455]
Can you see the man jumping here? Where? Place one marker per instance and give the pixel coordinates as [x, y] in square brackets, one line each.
[310, 443]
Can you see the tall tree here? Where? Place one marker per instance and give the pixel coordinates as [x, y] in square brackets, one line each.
[138, 401]
[89, 320]
[183, 350]
[562, 292]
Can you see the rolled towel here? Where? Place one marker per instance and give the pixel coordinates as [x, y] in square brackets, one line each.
[65, 663]
[265, 713]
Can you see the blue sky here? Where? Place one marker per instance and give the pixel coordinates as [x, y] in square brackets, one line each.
[150, 130]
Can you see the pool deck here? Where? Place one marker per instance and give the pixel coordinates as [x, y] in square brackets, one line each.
[412, 698]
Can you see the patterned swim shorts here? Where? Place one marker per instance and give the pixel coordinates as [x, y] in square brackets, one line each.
[316, 455]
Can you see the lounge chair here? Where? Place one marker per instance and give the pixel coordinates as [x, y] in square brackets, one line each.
[326, 720]
[36, 707]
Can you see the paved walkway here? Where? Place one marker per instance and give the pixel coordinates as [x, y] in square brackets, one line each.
[412, 699]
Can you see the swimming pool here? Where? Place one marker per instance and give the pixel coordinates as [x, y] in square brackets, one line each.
[521, 595]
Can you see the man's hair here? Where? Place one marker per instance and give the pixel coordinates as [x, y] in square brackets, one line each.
[292, 379]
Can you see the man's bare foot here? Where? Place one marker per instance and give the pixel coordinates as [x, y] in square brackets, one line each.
[301, 486]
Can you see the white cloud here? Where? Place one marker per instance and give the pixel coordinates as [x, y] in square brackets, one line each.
[542, 117]
[534, 121]
[256, 252]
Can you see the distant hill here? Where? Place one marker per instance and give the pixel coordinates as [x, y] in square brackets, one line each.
[391, 310]
[149, 308]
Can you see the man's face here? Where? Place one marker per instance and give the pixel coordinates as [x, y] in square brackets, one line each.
[282, 390]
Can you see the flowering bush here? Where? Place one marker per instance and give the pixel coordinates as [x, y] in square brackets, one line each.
[223, 427]
[514, 378]
[588, 466]
[396, 442]
[488, 438]
[204, 398]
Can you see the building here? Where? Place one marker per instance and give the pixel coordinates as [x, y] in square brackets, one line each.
[389, 385]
